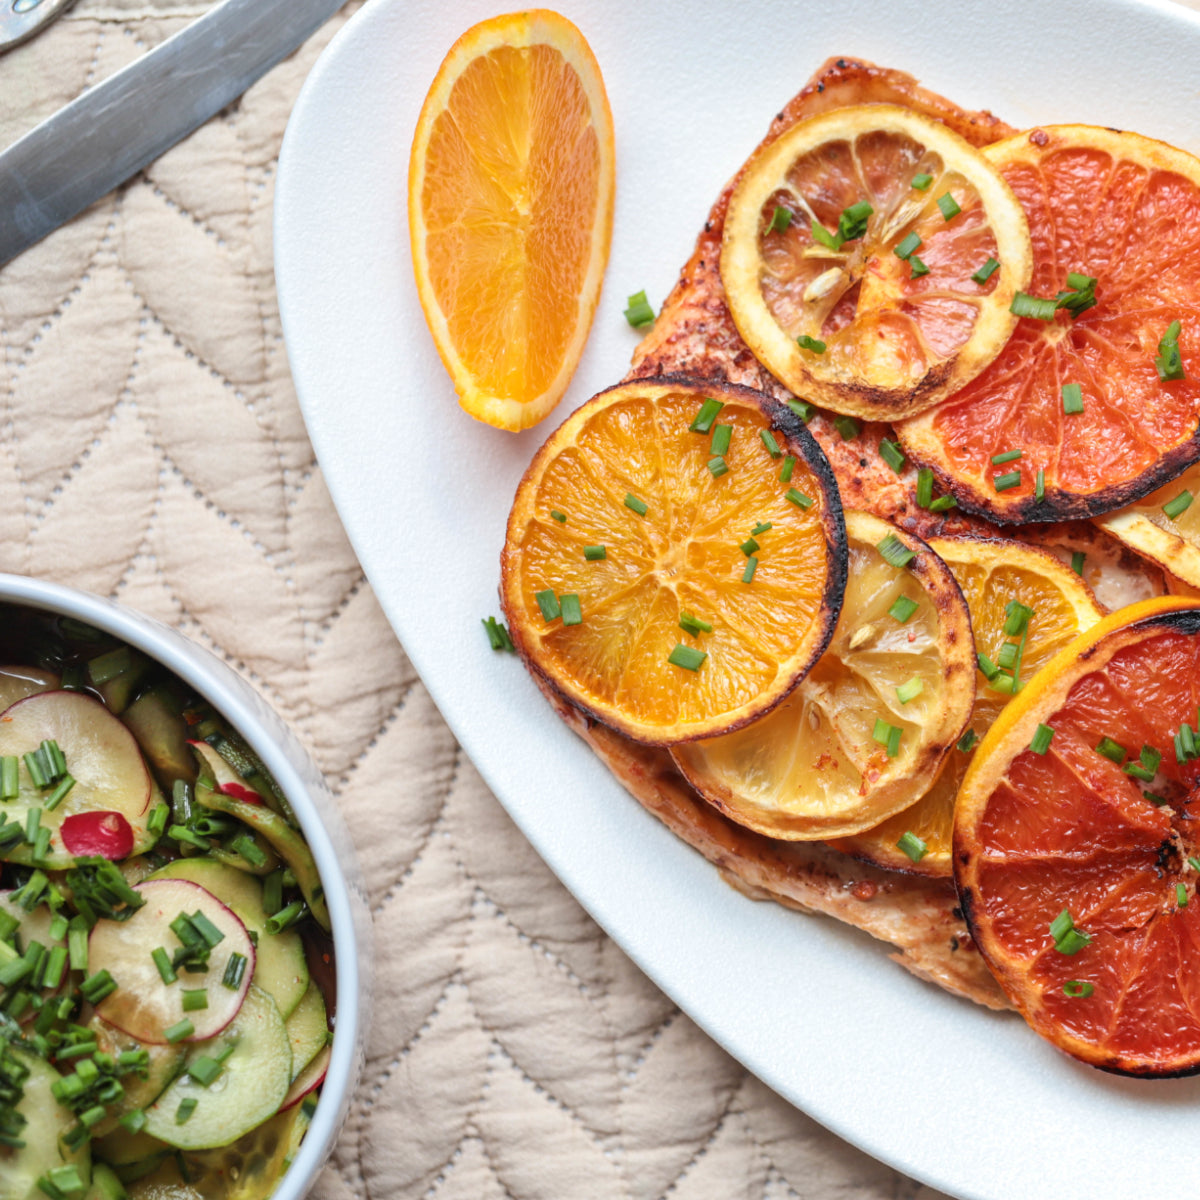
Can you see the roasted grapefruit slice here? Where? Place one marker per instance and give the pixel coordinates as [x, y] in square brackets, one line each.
[675, 558]
[870, 725]
[1164, 526]
[1075, 844]
[1095, 400]
[870, 257]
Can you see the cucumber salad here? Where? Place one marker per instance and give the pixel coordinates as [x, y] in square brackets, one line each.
[166, 974]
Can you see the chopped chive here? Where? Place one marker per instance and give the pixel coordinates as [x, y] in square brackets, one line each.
[498, 639]
[55, 966]
[56, 797]
[720, 440]
[1077, 989]
[751, 567]
[1146, 766]
[1007, 456]
[638, 506]
[1194, 863]
[949, 206]
[693, 624]
[560, 517]
[985, 272]
[1067, 939]
[1168, 362]
[9, 777]
[179, 1031]
[1111, 750]
[967, 741]
[166, 971]
[133, 1122]
[194, 999]
[595, 553]
[942, 504]
[768, 440]
[1007, 658]
[852, 224]
[891, 454]
[1042, 737]
[1016, 618]
[1025, 305]
[810, 343]
[803, 409]
[887, 735]
[1039, 487]
[204, 1070]
[1181, 896]
[97, 986]
[748, 547]
[572, 613]
[235, 968]
[547, 601]
[717, 467]
[760, 528]
[989, 668]
[910, 690]
[1178, 506]
[895, 553]
[687, 657]
[799, 499]
[820, 234]
[781, 218]
[159, 815]
[77, 943]
[1159, 801]
[1072, 398]
[1080, 296]
[36, 772]
[1077, 561]
[913, 846]
[906, 247]
[639, 314]
[921, 182]
[1002, 483]
[903, 608]
[785, 472]
[924, 487]
[918, 267]
[186, 1107]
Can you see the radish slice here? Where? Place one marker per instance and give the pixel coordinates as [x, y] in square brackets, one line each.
[107, 834]
[310, 1078]
[145, 1007]
[18, 682]
[102, 757]
[227, 779]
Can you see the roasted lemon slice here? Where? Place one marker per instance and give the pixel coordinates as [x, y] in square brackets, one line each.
[868, 728]
[994, 575]
[870, 257]
[675, 558]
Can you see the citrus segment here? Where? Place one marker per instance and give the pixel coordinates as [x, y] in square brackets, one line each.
[1122, 210]
[885, 283]
[656, 531]
[1098, 826]
[510, 201]
[992, 575]
[901, 660]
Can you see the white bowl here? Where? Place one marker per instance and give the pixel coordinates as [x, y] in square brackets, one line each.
[315, 808]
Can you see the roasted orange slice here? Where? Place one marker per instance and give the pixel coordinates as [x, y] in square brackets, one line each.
[675, 558]
[1075, 844]
[870, 257]
[510, 204]
[1095, 401]
[994, 575]
[870, 724]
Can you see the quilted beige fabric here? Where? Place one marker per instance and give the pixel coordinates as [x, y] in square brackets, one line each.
[151, 450]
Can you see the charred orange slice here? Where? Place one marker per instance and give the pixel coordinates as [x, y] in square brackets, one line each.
[870, 257]
[869, 726]
[1095, 400]
[675, 558]
[1164, 526]
[510, 205]
[994, 576]
[1075, 844]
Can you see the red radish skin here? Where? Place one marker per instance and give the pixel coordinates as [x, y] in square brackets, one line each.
[106, 834]
[241, 793]
[308, 1080]
[224, 775]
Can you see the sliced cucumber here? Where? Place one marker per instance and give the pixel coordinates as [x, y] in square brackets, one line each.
[251, 1086]
[122, 1149]
[308, 1029]
[46, 1122]
[166, 1061]
[105, 1185]
[281, 968]
[102, 757]
[145, 1007]
[155, 718]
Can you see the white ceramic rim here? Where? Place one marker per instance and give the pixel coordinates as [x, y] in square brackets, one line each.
[217, 682]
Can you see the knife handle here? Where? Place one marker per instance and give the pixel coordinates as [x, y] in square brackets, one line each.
[21, 19]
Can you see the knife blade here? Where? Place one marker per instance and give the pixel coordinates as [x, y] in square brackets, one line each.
[119, 126]
[21, 19]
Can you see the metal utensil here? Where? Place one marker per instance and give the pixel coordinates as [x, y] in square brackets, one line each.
[113, 130]
[21, 19]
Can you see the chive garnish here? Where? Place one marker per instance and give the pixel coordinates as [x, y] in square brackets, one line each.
[751, 567]
[918, 266]
[498, 638]
[887, 735]
[810, 343]
[895, 553]
[949, 206]
[803, 409]
[848, 427]
[1007, 456]
[906, 247]
[1077, 989]
[639, 314]
[913, 846]
[702, 421]
[235, 968]
[166, 970]
[785, 472]
[1111, 750]
[903, 608]
[1181, 896]
[799, 499]
[1042, 737]
[1007, 658]
[781, 218]
[194, 999]
[1145, 767]
[852, 224]
[824, 237]
[942, 504]
[910, 690]
[748, 547]
[9, 777]
[768, 440]
[924, 487]
[1178, 506]
[1067, 939]
[760, 528]
[891, 454]
[1077, 561]
[1079, 296]
[989, 668]
[1168, 362]
[1194, 863]
[1039, 486]
[595, 553]
[204, 1070]
[1072, 398]
[560, 517]
[639, 506]
[179, 1031]
[1002, 483]
[97, 986]
[159, 815]
[186, 1107]
[56, 797]
[547, 601]
[687, 657]
[921, 182]
[717, 467]
[1016, 618]
[967, 741]
[985, 272]
[572, 613]
[1025, 305]
[1159, 801]
[720, 440]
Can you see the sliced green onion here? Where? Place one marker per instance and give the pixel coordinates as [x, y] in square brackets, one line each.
[595, 553]
[985, 272]
[717, 467]
[903, 608]
[1067, 939]
[989, 668]
[77, 943]
[1147, 765]
[799, 499]
[638, 506]
[967, 741]
[949, 206]
[887, 735]
[1077, 561]
[918, 266]
[1194, 863]
[204, 1070]
[781, 218]
[891, 454]
[1007, 456]
[133, 1122]
[1002, 483]
[1072, 398]
[9, 777]
[693, 624]
[702, 421]
[1080, 296]
[1039, 487]
[921, 182]
[572, 613]
[194, 999]
[1025, 305]
[910, 690]
[547, 601]
[235, 968]
[810, 343]
[751, 567]
[1077, 989]
[560, 517]
[1168, 362]
[906, 247]
[639, 314]
[56, 797]
[830, 241]
[157, 821]
[852, 224]
[1007, 658]
[848, 427]
[1181, 896]
[97, 986]
[1042, 737]
[760, 528]
[720, 440]
[785, 472]
[686, 657]
[498, 639]
[1111, 750]
[1178, 506]
[895, 553]
[748, 547]
[179, 1031]
[803, 409]
[1016, 618]
[1159, 801]
[942, 504]
[187, 1106]
[166, 971]
[768, 440]
[924, 487]
[913, 846]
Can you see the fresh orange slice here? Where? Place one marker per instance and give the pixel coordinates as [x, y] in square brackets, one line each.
[1075, 844]
[992, 574]
[675, 558]
[901, 666]
[510, 204]
[865, 232]
[1123, 210]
